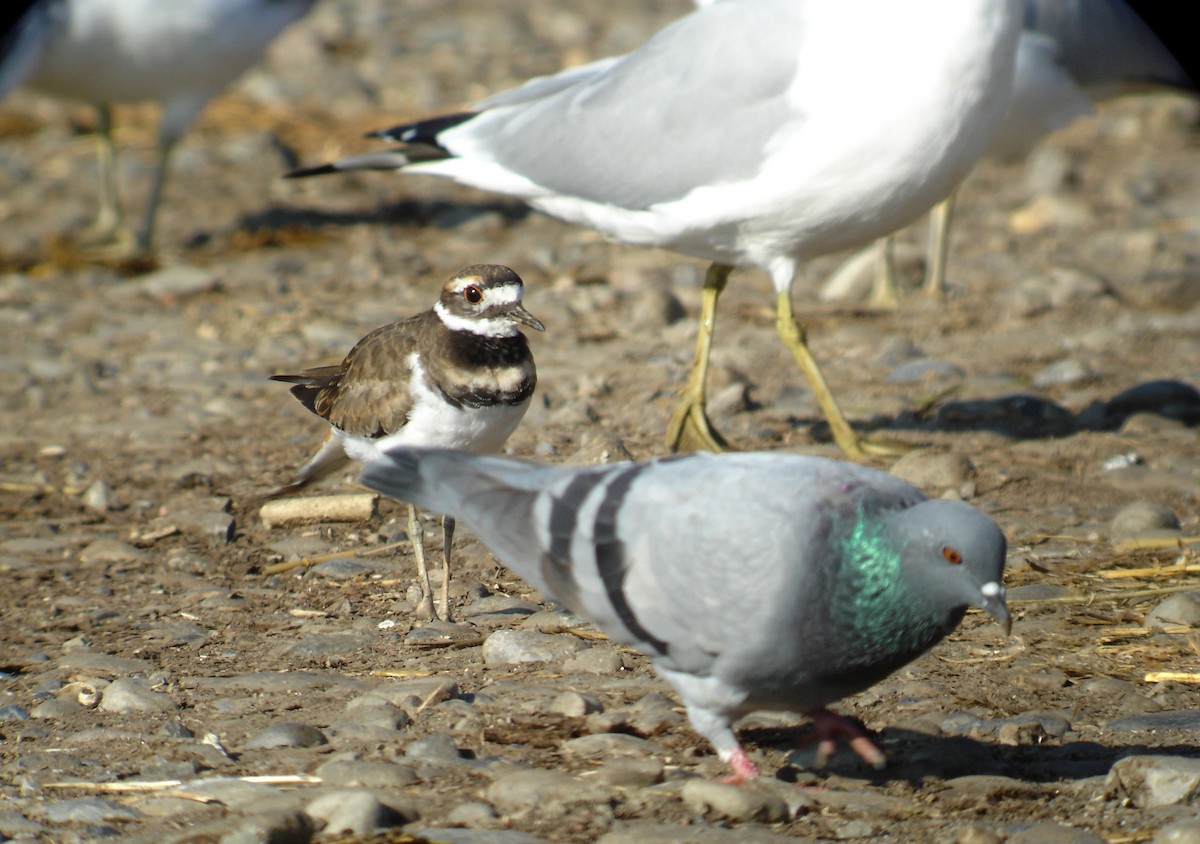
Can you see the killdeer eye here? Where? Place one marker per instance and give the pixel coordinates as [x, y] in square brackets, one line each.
[473, 295]
[952, 556]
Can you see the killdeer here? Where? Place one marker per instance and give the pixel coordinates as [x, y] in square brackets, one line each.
[179, 54]
[459, 375]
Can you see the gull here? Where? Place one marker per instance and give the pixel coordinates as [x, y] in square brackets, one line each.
[1071, 54]
[815, 579]
[179, 53]
[754, 133]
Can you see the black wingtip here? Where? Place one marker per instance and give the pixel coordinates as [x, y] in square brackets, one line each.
[304, 172]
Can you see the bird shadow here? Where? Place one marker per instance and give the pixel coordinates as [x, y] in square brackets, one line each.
[407, 213]
[917, 758]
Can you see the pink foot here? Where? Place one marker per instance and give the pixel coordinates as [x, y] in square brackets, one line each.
[743, 768]
[828, 727]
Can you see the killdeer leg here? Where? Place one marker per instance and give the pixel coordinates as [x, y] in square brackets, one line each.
[447, 540]
[425, 608]
[689, 428]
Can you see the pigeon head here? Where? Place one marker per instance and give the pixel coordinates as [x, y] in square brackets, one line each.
[485, 299]
[952, 557]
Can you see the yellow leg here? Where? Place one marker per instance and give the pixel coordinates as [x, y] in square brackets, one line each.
[884, 295]
[425, 608]
[793, 336]
[690, 429]
[939, 248]
[447, 540]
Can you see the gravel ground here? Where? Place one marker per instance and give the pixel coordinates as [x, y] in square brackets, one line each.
[157, 652]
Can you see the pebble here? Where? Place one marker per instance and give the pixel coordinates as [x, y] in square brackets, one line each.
[446, 835]
[340, 568]
[204, 518]
[98, 497]
[1049, 833]
[16, 825]
[320, 647]
[926, 370]
[576, 705]
[733, 802]
[1185, 831]
[1149, 781]
[287, 734]
[86, 810]
[1141, 516]
[367, 774]
[653, 833]
[354, 811]
[473, 813]
[437, 747]
[629, 773]
[417, 693]
[134, 694]
[102, 665]
[177, 282]
[279, 827]
[56, 709]
[933, 470]
[1179, 719]
[1063, 373]
[596, 660]
[607, 745]
[511, 647]
[1181, 608]
[518, 790]
[13, 712]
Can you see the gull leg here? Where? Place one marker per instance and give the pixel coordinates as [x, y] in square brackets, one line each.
[884, 295]
[793, 336]
[689, 426]
[145, 233]
[425, 608]
[447, 540]
[939, 248]
[743, 767]
[109, 226]
[828, 727]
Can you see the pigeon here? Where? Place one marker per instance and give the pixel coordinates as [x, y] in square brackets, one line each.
[755, 133]
[459, 375]
[179, 53]
[1071, 54]
[811, 579]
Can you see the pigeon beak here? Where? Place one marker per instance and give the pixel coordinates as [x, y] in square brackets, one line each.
[995, 606]
[523, 317]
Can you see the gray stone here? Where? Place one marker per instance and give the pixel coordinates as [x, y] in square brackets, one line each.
[1062, 373]
[56, 709]
[377, 713]
[134, 694]
[16, 825]
[1179, 719]
[1141, 516]
[1185, 831]
[13, 712]
[1180, 608]
[86, 810]
[607, 745]
[925, 369]
[98, 497]
[1049, 833]
[351, 811]
[418, 693]
[205, 518]
[321, 646]
[103, 665]
[367, 774]
[595, 660]
[1149, 781]
[340, 568]
[449, 835]
[518, 790]
[278, 827]
[178, 282]
[654, 833]
[109, 550]
[473, 813]
[737, 803]
[287, 734]
[576, 705]
[437, 747]
[511, 647]
[629, 773]
[236, 794]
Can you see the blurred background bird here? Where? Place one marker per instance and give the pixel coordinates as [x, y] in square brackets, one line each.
[179, 54]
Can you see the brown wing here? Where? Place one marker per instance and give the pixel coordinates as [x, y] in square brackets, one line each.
[368, 393]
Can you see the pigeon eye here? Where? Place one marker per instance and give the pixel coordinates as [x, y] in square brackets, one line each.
[952, 556]
[473, 295]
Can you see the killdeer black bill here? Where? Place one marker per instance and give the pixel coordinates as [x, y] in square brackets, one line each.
[459, 375]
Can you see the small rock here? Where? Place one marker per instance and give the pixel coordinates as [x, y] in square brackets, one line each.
[279, 827]
[1150, 781]
[107, 550]
[56, 709]
[737, 803]
[1141, 516]
[133, 694]
[517, 791]
[1181, 608]
[1185, 831]
[509, 647]
[1178, 719]
[353, 811]
[576, 705]
[98, 497]
[630, 773]
[1049, 833]
[375, 712]
[287, 734]
[340, 568]
[366, 774]
[607, 745]
[437, 747]
[1064, 372]
[597, 660]
[177, 282]
[934, 470]
[471, 814]
[13, 712]
[86, 810]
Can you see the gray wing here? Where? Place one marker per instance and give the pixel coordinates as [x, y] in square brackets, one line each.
[711, 82]
[22, 45]
[540, 87]
[1105, 45]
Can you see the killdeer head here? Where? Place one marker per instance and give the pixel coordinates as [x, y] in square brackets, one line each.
[485, 299]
